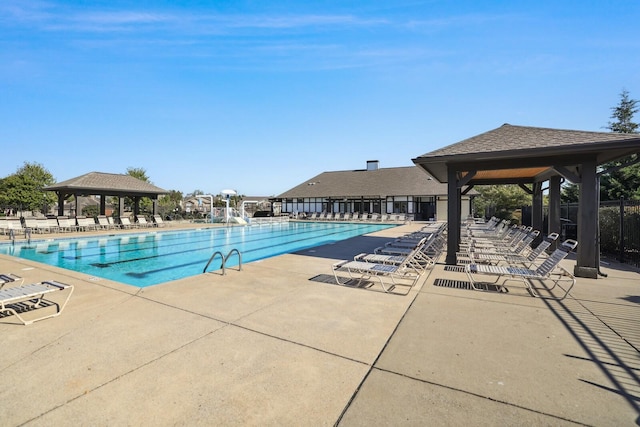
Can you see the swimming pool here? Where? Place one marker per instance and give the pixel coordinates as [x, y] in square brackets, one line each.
[146, 259]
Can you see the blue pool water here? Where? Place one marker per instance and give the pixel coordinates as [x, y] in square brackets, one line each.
[146, 259]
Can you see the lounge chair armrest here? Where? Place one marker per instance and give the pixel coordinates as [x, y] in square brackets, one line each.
[340, 264]
[58, 285]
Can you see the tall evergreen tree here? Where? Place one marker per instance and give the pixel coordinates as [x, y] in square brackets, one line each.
[623, 115]
[623, 182]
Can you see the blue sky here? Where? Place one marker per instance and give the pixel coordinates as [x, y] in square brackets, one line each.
[259, 96]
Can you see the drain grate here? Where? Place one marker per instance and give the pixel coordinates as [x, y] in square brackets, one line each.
[330, 279]
[463, 284]
[449, 283]
[454, 268]
[324, 278]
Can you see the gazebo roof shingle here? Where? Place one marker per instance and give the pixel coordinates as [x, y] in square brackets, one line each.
[517, 147]
[526, 137]
[108, 184]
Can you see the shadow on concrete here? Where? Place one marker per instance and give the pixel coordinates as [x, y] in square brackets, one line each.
[346, 249]
[632, 298]
[601, 340]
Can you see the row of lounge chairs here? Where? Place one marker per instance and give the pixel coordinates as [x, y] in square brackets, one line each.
[400, 262]
[324, 216]
[506, 254]
[64, 224]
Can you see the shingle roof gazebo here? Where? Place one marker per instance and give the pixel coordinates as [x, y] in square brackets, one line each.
[106, 184]
[530, 156]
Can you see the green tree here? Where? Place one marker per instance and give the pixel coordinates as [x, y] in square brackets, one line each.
[168, 203]
[623, 115]
[570, 193]
[24, 188]
[145, 202]
[622, 181]
[139, 173]
[91, 211]
[500, 200]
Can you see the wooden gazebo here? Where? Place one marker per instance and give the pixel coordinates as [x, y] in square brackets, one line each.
[104, 185]
[531, 156]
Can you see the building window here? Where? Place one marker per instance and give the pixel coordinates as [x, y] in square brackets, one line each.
[400, 207]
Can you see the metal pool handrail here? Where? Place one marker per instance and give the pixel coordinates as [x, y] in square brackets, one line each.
[224, 260]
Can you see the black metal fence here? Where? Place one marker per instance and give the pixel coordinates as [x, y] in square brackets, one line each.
[619, 228]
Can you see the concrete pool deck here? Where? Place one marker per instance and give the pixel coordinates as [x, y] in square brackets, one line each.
[279, 343]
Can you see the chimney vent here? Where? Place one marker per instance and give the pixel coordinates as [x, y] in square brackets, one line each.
[372, 165]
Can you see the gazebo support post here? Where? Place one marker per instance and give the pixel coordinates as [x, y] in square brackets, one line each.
[61, 197]
[537, 211]
[136, 206]
[120, 205]
[554, 225]
[453, 216]
[588, 245]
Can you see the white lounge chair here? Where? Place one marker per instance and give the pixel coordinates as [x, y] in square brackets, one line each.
[31, 224]
[66, 224]
[517, 249]
[507, 239]
[412, 260]
[426, 251]
[18, 300]
[10, 278]
[42, 226]
[52, 224]
[126, 222]
[142, 222]
[157, 219]
[388, 275]
[15, 226]
[85, 223]
[502, 258]
[103, 222]
[112, 222]
[549, 271]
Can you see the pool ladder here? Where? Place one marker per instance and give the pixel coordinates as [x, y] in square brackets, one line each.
[224, 260]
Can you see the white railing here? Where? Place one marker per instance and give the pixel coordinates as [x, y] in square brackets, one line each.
[268, 220]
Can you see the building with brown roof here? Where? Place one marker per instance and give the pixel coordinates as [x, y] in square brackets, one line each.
[399, 190]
